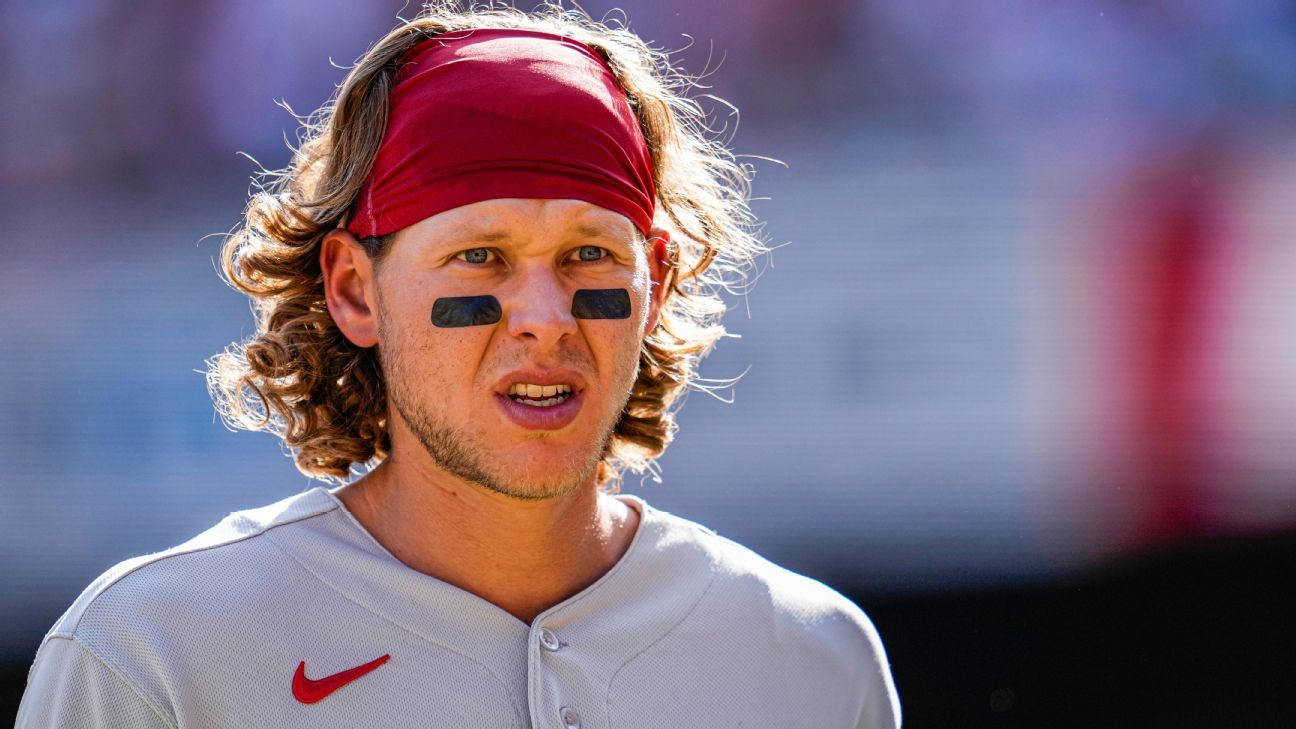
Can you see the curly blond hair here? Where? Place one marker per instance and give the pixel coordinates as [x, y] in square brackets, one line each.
[300, 378]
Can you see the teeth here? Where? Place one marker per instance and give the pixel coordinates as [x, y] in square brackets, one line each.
[538, 391]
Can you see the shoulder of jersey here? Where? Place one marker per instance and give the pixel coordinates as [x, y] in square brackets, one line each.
[787, 625]
[793, 599]
[178, 575]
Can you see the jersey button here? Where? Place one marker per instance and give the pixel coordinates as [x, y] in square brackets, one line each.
[569, 718]
[549, 640]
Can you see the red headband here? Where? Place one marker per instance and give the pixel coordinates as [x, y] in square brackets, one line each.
[498, 113]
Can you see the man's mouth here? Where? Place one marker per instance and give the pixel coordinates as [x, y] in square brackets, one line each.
[540, 396]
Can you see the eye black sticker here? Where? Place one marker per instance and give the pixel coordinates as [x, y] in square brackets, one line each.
[465, 311]
[601, 304]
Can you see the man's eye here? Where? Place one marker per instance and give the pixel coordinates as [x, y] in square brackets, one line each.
[591, 253]
[475, 255]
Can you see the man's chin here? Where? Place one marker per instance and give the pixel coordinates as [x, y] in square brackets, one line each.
[530, 471]
[534, 483]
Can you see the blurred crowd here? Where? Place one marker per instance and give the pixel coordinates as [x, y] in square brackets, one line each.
[105, 86]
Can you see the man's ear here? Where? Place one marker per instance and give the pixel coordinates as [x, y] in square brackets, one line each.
[349, 287]
[661, 270]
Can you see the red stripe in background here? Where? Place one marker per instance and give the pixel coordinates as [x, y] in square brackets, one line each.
[1166, 369]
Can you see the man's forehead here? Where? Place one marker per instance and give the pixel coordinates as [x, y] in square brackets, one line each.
[490, 233]
[504, 219]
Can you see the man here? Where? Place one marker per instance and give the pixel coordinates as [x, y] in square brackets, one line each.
[487, 275]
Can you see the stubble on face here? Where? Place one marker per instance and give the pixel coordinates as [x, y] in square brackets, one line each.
[464, 454]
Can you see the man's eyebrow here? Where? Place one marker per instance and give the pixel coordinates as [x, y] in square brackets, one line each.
[611, 233]
[595, 231]
[487, 236]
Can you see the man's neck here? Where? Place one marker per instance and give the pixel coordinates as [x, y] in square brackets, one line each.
[523, 556]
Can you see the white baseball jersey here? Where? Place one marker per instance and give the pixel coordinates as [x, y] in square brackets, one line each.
[292, 615]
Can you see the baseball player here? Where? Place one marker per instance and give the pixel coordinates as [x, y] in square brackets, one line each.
[485, 277]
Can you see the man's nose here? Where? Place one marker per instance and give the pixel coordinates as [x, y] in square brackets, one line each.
[539, 307]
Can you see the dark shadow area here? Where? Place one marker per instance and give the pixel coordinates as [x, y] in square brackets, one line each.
[13, 679]
[1192, 636]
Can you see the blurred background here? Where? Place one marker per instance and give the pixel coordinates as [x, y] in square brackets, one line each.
[1021, 378]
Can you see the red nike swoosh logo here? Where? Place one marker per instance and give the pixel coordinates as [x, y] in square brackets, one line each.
[309, 692]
